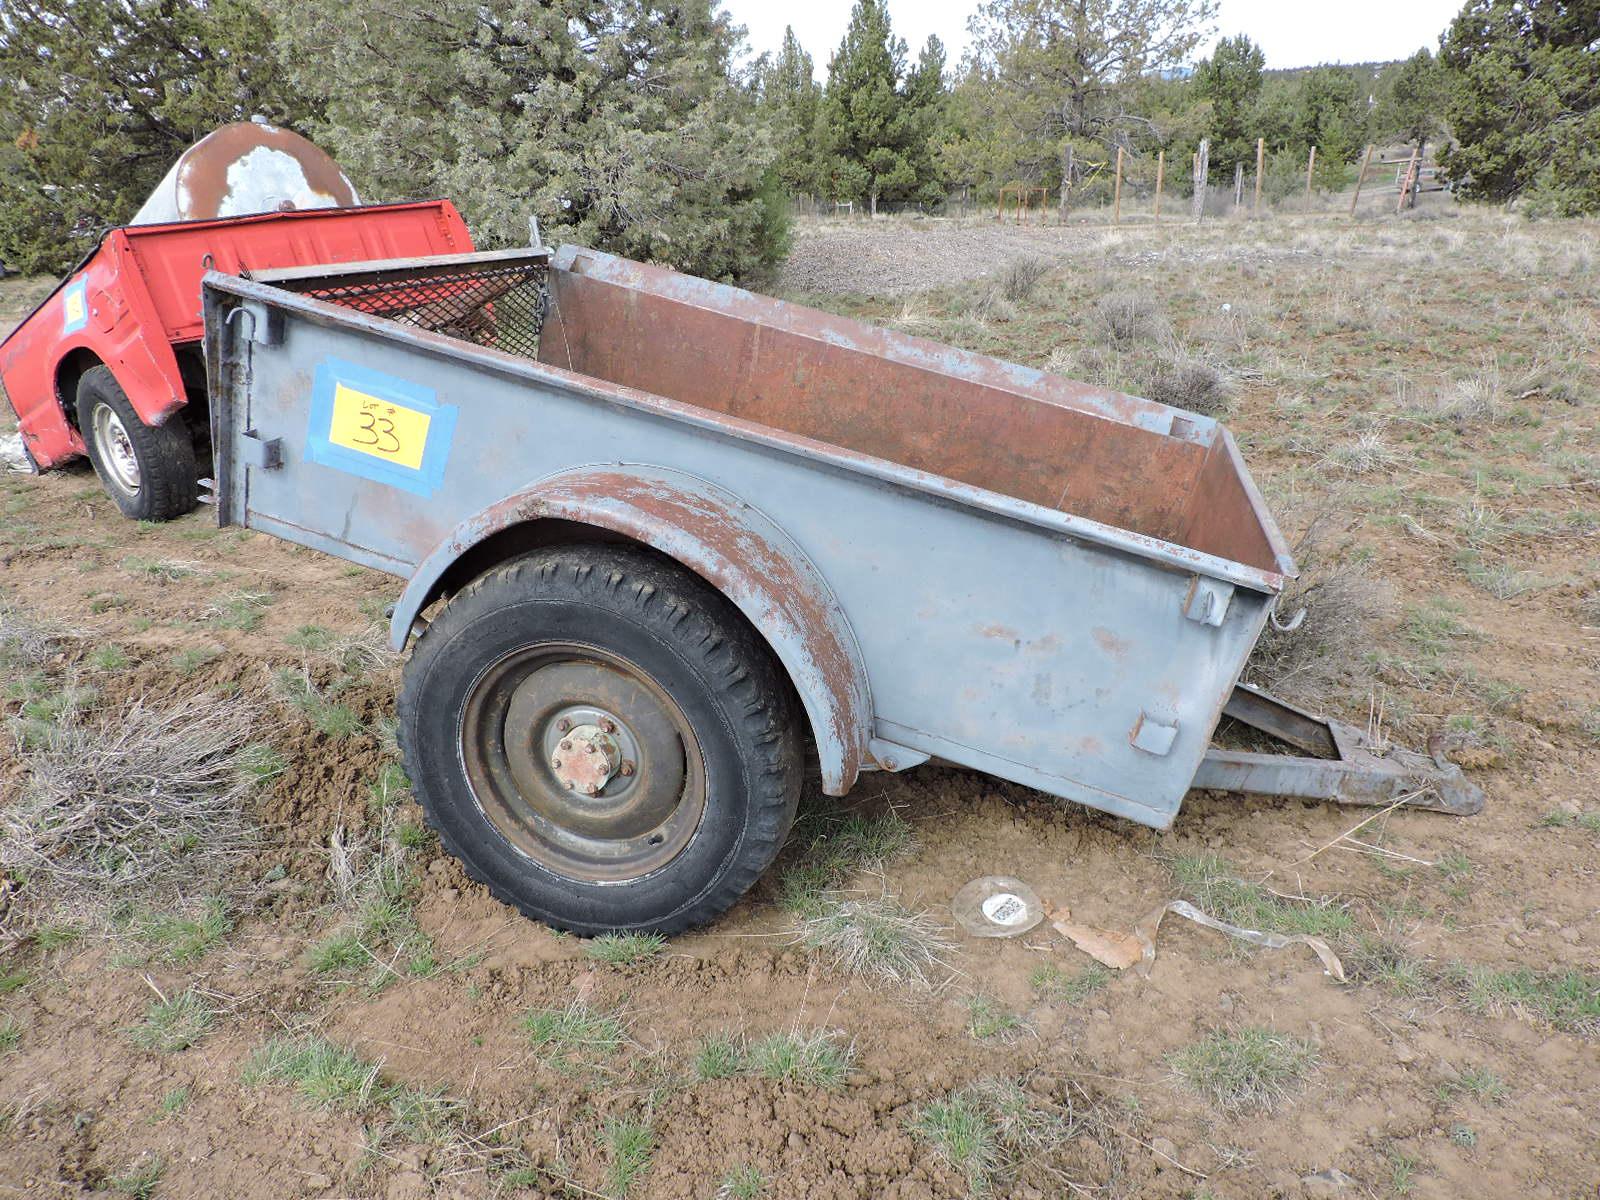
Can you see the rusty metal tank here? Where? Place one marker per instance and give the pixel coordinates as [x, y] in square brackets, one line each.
[248, 167]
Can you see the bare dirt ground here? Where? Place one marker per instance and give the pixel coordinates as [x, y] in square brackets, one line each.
[1421, 395]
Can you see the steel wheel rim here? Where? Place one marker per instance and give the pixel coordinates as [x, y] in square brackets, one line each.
[116, 449]
[652, 799]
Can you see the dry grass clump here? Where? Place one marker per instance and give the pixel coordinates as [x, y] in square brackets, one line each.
[1184, 382]
[989, 1128]
[877, 939]
[27, 640]
[1343, 602]
[1021, 276]
[139, 805]
[1132, 318]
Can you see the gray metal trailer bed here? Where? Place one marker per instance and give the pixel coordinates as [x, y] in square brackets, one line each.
[675, 526]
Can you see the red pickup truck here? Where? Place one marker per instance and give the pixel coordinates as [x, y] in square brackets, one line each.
[110, 364]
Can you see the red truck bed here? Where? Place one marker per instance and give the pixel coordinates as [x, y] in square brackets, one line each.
[133, 304]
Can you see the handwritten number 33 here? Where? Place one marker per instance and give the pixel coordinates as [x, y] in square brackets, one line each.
[377, 432]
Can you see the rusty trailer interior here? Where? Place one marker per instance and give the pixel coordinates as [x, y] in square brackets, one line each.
[1101, 455]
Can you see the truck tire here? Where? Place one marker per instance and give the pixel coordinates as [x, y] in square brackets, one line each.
[602, 740]
[149, 470]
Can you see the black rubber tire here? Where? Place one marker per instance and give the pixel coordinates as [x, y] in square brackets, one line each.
[696, 647]
[165, 453]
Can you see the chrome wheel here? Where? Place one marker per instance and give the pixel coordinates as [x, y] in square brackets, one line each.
[582, 762]
[116, 449]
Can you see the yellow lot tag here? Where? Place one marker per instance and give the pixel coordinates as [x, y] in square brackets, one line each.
[76, 306]
[387, 431]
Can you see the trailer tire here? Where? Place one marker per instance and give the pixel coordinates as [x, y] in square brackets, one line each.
[664, 700]
[149, 470]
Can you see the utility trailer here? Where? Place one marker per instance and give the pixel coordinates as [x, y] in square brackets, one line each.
[665, 539]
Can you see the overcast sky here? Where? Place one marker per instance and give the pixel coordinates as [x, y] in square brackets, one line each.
[1294, 33]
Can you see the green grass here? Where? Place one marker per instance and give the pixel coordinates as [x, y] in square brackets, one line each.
[624, 949]
[988, 1021]
[327, 1075]
[175, 1023]
[55, 936]
[720, 1056]
[140, 1181]
[819, 1059]
[629, 1144]
[241, 611]
[10, 1034]
[12, 981]
[178, 939]
[987, 1129]
[964, 1133]
[1568, 1000]
[1385, 961]
[576, 1034]
[110, 657]
[311, 638]
[259, 762]
[1054, 984]
[327, 717]
[1482, 1084]
[173, 1102]
[835, 849]
[1254, 1068]
[389, 788]
[188, 661]
[743, 1182]
[1209, 882]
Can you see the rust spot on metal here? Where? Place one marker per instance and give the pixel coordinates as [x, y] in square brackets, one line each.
[1115, 647]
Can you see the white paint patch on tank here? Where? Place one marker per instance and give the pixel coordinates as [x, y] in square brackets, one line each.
[264, 180]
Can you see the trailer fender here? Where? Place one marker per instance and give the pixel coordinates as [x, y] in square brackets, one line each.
[733, 546]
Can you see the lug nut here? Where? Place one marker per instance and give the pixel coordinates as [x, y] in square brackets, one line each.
[626, 768]
[566, 743]
[591, 748]
[591, 789]
[563, 725]
[556, 763]
[608, 725]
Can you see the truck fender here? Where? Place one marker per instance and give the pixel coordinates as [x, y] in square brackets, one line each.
[736, 548]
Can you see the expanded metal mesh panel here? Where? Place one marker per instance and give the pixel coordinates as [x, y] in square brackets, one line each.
[495, 305]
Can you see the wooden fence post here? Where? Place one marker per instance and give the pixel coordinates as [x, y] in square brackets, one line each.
[1361, 178]
[1405, 184]
[1116, 202]
[1238, 184]
[1311, 162]
[1261, 158]
[1202, 163]
[1161, 172]
[1066, 183]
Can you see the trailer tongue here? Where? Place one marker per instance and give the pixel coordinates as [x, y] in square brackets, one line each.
[655, 528]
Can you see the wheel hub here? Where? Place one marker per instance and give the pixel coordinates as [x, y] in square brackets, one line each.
[586, 759]
[582, 762]
[116, 448]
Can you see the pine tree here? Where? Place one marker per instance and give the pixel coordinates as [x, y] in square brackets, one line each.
[100, 96]
[869, 128]
[790, 98]
[927, 102]
[1230, 82]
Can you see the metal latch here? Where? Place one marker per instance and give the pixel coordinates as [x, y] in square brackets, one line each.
[1207, 600]
[1154, 733]
[265, 454]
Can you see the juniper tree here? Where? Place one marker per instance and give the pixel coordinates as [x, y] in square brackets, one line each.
[617, 123]
[98, 97]
[1523, 80]
[790, 99]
